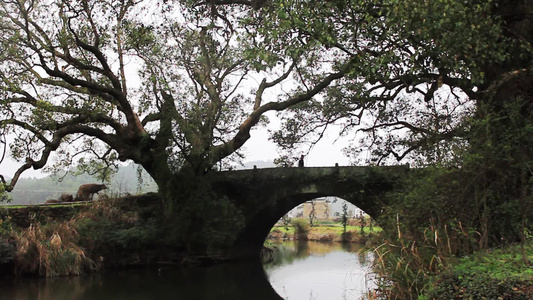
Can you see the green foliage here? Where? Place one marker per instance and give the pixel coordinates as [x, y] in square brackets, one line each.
[6, 226]
[201, 220]
[301, 228]
[285, 161]
[114, 239]
[7, 250]
[137, 237]
[4, 197]
[344, 219]
[497, 274]
[116, 232]
[442, 213]
[7, 243]
[409, 63]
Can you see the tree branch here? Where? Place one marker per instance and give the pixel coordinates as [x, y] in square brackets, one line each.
[244, 130]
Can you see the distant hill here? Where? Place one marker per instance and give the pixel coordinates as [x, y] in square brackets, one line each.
[38, 190]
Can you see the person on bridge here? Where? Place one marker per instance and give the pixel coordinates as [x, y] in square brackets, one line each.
[301, 161]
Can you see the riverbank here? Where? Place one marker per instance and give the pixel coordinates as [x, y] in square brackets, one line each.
[331, 232]
[105, 234]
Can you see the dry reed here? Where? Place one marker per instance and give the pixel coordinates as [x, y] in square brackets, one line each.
[50, 250]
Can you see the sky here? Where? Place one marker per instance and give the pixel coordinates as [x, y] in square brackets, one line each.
[325, 154]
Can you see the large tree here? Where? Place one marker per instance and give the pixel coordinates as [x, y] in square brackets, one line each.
[176, 87]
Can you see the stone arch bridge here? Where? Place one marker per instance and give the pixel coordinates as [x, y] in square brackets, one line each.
[265, 195]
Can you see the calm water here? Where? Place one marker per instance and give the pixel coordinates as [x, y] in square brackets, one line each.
[333, 272]
[312, 270]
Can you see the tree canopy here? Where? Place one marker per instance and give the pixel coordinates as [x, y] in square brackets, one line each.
[177, 86]
[162, 84]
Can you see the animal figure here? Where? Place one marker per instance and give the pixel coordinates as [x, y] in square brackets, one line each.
[65, 198]
[87, 190]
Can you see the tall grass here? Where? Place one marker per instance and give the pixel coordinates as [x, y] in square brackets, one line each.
[404, 264]
[50, 250]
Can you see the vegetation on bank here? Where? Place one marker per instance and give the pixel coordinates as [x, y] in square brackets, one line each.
[495, 274]
[108, 233]
[60, 204]
[450, 213]
[326, 231]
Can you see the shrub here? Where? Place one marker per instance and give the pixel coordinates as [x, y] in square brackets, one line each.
[6, 226]
[478, 286]
[498, 274]
[301, 229]
[7, 250]
[347, 236]
[114, 231]
[7, 244]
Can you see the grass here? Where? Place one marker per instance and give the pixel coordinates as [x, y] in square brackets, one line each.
[494, 274]
[64, 204]
[105, 229]
[500, 264]
[335, 230]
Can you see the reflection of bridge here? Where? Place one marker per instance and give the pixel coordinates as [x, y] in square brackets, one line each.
[265, 195]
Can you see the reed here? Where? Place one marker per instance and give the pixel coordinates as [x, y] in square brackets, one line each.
[405, 265]
[50, 250]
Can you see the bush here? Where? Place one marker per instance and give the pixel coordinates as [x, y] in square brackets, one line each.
[200, 220]
[478, 286]
[6, 226]
[111, 231]
[499, 274]
[301, 229]
[347, 236]
[7, 244]
[7, 250]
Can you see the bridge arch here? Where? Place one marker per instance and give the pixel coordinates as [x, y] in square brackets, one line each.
[265, 195]
[258, 226]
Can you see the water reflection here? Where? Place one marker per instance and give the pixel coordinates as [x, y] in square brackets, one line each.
[299, 271]
[223, 281]
[312, 270]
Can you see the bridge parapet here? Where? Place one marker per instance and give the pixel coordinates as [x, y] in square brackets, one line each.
[274, 184]
[312, 173]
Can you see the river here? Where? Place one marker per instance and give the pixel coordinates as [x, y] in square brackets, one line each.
[301, 271]
[313, 270]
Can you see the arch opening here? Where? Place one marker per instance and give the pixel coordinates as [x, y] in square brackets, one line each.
[319, 242]
[326, 219]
